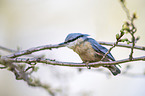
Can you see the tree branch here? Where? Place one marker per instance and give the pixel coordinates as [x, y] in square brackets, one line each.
[7, 49]
[122, 45]
[45, 47]
[130, 27]
[70, 64]
[125, 9]
[35, 49]
[118, 37]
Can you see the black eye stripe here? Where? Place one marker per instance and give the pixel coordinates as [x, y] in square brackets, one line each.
[73, 39]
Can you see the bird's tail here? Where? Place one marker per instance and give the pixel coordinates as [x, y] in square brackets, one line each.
[114, 69]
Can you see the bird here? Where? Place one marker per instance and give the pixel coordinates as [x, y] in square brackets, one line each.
[89, 50]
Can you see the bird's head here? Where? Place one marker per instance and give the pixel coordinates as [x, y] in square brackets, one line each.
[74, 39]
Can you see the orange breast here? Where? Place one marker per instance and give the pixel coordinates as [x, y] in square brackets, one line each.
[87, 53]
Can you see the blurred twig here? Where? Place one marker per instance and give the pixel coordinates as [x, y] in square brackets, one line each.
[21, 73]
[130, 26]
[17, 51]
[125, 9]
[127, 27]
[7, 49]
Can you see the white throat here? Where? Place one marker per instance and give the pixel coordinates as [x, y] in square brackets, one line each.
[73, 44]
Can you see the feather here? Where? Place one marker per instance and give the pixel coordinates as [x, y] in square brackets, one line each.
[99, 48]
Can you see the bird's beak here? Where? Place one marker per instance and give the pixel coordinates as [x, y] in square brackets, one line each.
[62, 44]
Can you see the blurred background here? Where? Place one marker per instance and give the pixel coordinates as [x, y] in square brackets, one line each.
[30, 23]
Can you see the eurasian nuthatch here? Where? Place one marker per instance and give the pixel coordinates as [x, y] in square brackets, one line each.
[89, 50]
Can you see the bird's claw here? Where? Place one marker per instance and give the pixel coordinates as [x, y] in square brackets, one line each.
[88, 66]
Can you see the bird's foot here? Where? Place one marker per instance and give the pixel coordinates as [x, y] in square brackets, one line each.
[88, 66]
[106, 65]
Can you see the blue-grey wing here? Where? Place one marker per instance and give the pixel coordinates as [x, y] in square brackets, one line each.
[99, 48]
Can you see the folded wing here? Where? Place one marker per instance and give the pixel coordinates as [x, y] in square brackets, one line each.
[99, 48]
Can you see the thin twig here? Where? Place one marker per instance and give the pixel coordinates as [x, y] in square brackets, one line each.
[109, 51]
[116, 43]
[3, 67]
[132, 32]
[126, 10]
[34, 49]
[122, 45]
[132, 28]
[7, 49]
[133, 44]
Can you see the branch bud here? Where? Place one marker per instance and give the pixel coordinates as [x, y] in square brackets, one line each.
[122, 1]
[134, 16]
[117, 36]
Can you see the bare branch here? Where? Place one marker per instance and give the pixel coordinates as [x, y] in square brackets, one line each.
[7, 49]
[70, 64]
[40, 48]
[109, 51]
[131, 27]
[3, 67]
[122, 45]
[118, 37]
[45, 47]
[125, 9]
[35, 49]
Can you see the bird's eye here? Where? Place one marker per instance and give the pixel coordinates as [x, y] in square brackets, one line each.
[70, 40]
